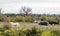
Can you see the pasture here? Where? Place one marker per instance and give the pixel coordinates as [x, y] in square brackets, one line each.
[30, 29]
[27, 25]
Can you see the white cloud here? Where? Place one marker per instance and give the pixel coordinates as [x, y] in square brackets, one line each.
[38, 6]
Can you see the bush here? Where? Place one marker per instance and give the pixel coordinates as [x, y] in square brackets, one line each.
[1, 18]
[32, 32]
[2, 30]
[51, 20]
[57, 33]
[10, 19]
[19, 19]
[28, 32]
[43, 18]
[29, 19]
[48, 33]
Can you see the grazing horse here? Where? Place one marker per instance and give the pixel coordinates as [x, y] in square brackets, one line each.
[15, 24]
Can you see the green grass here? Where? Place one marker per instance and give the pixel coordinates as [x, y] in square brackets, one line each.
[40, 29]
[30, 25]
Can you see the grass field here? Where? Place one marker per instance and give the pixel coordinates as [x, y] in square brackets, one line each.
[30, 25]
[27, 29]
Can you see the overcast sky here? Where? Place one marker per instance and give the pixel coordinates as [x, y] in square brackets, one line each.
[38, 6]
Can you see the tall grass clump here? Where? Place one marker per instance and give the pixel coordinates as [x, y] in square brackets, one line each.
[57, 32]
[34, 31]
[48, 33]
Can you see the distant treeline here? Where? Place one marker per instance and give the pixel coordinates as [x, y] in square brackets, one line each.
[51, 15]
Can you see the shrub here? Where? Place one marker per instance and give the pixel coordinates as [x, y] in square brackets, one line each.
[33, 32]
[2, 30]
[1, 18]
[48, 33]
[53, 20]
[43, 18]
[19, 19]
[9, 33]
[57, 33]
[29, 19]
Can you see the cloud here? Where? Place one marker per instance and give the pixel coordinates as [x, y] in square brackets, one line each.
[56, 5]
[28, 1]
[38, 6]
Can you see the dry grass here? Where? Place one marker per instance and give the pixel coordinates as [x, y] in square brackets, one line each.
[30, 25]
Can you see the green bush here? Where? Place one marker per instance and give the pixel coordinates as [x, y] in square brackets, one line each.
[1, 18]
[29, 19]
[32, 32]
[10, 19]
[43, 18]
[52, 19]
[49, 19]
[57, 33]
[2, 30]
[28, 32]
[19, 19]
[48, 33]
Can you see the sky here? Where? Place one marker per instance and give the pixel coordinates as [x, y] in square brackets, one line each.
[38, 6]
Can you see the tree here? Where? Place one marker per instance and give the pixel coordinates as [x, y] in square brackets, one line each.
[26, 10]
[0, 11]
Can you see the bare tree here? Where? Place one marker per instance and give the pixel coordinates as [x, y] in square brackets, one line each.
[0, 11]
[26, 10]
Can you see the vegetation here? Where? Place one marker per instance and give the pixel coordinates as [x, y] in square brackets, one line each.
[27, 29]
[26, 10]
[28, 32]
[51, 20]
[1, 18]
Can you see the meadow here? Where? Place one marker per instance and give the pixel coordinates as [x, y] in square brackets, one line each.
[28, 25]
[30, 29]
